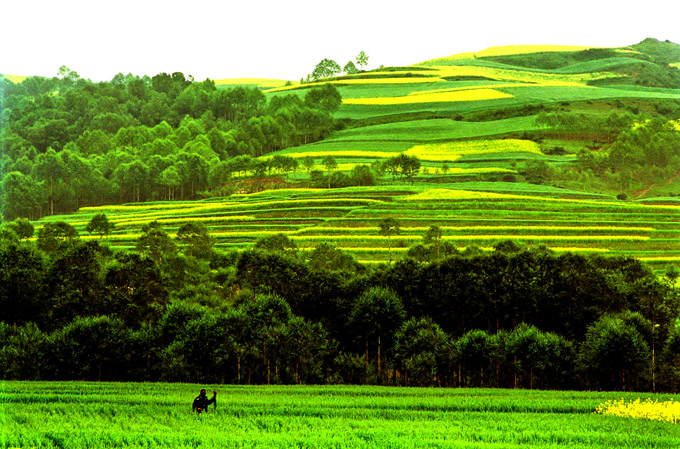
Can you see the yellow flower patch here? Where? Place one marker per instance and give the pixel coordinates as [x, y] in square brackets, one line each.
[16, 79]
[625, 238]
[665, 411]
[258, 82]
[336, 154]
[184, 220]
[508, 50]
[433, 97]
[385, 80]
[451, 195]
[451, 151]
[520, 76]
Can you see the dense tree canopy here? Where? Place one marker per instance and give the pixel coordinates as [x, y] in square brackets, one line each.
[68, 142]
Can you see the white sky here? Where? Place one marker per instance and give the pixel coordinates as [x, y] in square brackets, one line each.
[286, 39]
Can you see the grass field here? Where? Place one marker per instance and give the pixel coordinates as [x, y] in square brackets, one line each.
[105, 415]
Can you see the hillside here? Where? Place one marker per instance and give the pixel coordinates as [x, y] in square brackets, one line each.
[526, 143]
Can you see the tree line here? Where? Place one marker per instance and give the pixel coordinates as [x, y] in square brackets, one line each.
[175, 309]
[68, 142]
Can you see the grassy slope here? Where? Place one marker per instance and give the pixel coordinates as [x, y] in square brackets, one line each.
[532, 214]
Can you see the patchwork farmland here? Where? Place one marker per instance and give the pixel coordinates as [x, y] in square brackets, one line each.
[472, 121]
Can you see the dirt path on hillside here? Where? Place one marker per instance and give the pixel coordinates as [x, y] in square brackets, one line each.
[644, 191]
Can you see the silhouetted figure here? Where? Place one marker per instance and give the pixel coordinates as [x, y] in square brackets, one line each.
[202, 402]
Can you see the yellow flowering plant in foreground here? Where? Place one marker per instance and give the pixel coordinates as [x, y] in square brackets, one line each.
[665, 411]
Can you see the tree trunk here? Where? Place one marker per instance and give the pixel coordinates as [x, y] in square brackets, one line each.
[366, 360]
[51, 197]
[379, 347]
[238, 367]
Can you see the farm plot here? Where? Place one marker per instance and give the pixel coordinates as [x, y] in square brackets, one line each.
[107, 415]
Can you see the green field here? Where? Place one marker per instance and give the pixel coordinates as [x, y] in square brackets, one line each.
[104, 415]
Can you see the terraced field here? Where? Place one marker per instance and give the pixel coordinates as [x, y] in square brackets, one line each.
[481, 215]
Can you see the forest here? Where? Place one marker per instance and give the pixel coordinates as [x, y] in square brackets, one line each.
[175, 309]
[68, 142]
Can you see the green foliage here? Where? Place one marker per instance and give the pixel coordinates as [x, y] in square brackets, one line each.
[56, 236]
[101, 225]
[196, 239]
[615, 354]
[327, 257]
[277, 243]
[155, 243]
[362, 59]
[325, 69]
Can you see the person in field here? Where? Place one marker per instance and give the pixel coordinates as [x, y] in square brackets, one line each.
[202, 402]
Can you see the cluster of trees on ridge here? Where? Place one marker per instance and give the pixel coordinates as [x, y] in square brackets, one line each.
[328, 68]
[630, 152]
[177, 310]
[68, 142]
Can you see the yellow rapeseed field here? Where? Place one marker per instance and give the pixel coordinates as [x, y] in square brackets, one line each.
[451, 151]
[508, 50]
[511, 75]
[624, 238]
[336, 154]
[433, 97]
[665, 411]
[263, 83]
[183, 220]
[452, 194]
[385, 80]
[16, 79]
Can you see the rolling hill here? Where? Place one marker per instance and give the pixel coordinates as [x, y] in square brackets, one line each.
[491, 170]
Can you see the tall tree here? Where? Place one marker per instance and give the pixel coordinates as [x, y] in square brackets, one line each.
[330, 163]
[49, 168]
[377, 314]
[387, 228]
[362, 59]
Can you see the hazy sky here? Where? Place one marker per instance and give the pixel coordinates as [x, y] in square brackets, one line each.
[286, 39]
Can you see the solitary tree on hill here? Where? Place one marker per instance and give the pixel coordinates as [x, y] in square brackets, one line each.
[325, 69]
[362, 59]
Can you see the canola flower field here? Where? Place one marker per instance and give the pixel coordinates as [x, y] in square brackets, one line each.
[108, 415]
